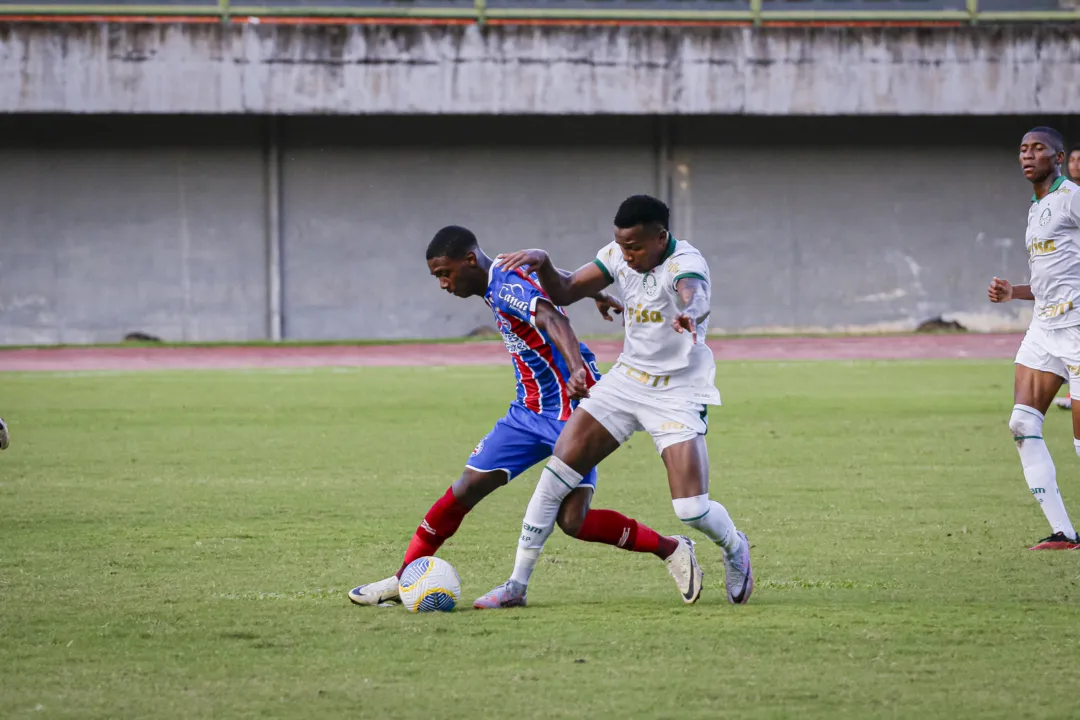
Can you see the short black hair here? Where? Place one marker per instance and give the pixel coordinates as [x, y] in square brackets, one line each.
[1054, 135]
[1073, 149]
[453, 241]
[642, 210]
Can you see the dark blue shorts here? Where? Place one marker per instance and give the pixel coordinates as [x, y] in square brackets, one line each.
[518, 441]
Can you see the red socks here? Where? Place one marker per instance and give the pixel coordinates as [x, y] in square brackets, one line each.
[600, 526]
[440, 523]
[612, 528]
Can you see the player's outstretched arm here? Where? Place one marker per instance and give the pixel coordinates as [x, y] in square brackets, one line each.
[562, 335]
[695, 301]
[605, 302]
[586, 281]
[1002, 291]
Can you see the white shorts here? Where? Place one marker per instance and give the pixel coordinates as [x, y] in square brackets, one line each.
[1054, 351]
[623, 408]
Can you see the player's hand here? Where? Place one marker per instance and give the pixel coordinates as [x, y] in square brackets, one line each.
[529, 260]
[607, 303]
[578, 384]
[685, 322]
[1000, 291]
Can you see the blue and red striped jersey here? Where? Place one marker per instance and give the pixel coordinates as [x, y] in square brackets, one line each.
[540, 369]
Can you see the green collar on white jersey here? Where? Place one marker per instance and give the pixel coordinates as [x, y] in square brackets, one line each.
[671, 246]
[1055, 186]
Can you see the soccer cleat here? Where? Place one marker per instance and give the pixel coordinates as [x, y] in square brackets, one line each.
[509, 594]
[1057, 541]
[740, 575]
[382, 593]
[683, 566]
[5, 436]
[1065, 403]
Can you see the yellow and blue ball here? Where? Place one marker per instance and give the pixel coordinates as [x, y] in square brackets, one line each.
[429, 584]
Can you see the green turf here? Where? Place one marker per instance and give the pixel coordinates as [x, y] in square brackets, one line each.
[180, 545]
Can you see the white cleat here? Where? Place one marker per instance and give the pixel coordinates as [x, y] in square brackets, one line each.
[1065, 403]
[5, 436]
[683, 566]
[508, 595]
[740, 575]
[383, 593]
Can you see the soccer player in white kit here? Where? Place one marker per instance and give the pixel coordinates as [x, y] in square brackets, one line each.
[1065, 402]
[662, 383]
[1050, 352]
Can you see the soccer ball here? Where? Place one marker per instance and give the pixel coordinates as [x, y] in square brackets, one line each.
[429, 585]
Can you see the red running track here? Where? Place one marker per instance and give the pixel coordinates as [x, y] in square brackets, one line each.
[859, 347]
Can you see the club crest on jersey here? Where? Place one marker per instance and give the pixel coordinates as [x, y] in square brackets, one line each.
[478, 449]
[1044, 219]
[648, 281]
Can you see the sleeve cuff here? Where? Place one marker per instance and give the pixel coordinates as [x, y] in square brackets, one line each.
[603, 269]
[681, 276]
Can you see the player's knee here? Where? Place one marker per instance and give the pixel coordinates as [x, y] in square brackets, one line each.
[1025, 422]
[692, 509]
[570, 519]
[472, 486]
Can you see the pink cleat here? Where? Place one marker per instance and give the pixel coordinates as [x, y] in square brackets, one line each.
[509, 594]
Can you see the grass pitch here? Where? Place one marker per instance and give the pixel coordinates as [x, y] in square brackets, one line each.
[180, 545]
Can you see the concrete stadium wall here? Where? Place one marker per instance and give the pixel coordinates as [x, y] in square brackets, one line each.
[240, 68]
[160, 224]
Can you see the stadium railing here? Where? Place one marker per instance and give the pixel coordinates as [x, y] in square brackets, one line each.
[751, 12]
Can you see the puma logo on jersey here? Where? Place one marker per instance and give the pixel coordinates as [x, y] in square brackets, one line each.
[1041, 247]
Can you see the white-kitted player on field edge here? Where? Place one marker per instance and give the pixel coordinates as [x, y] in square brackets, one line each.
[1050, 352]
[662, 384]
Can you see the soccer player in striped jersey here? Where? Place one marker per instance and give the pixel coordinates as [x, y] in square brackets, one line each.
[554, 370]
[1050, 352]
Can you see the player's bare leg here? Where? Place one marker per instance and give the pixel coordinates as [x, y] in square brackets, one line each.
[688, 477]
[439, 524]
[1033, 392]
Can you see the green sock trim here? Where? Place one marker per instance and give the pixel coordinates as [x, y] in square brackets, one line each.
[548, 468]
[698, 517]
[1027, 437]
[1029, 412]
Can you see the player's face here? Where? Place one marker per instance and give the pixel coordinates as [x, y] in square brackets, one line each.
[642, 247]
[1074, 166]
[1037, 157]
[452, 275]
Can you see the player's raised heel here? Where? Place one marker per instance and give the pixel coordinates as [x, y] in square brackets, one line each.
[509, 594]
[683, 566]
[384, 592]
[740, 574]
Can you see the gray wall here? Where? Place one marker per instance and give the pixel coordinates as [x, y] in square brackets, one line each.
[371, 69]
[159, 224]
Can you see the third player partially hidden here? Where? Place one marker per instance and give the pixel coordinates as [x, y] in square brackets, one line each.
[1050, 352]
[662, 383]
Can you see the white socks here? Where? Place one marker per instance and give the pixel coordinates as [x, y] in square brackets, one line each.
[1039, 471]
[556, 482]
[711, 518]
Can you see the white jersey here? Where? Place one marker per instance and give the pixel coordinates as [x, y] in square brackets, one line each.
[651, 344]
[1053, 245]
